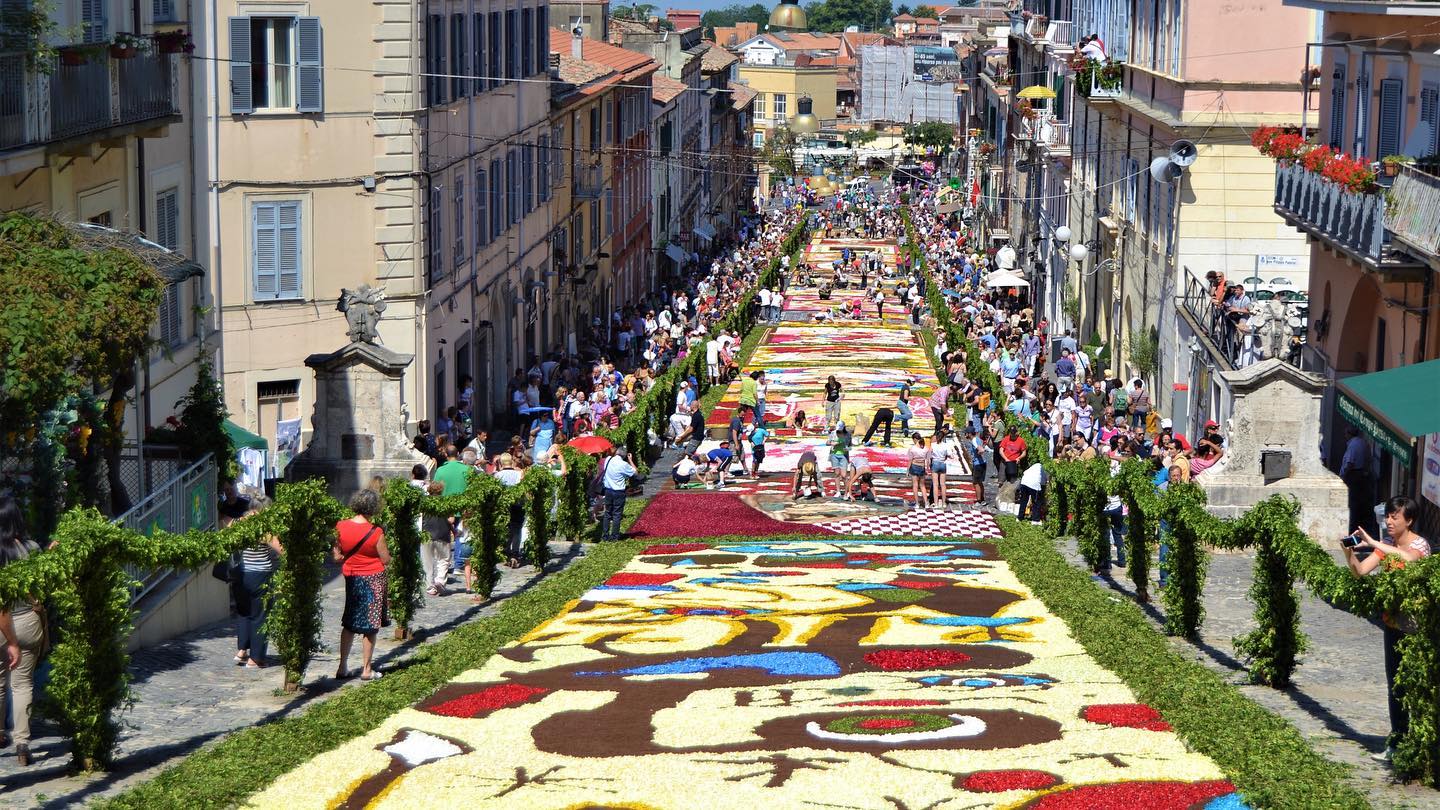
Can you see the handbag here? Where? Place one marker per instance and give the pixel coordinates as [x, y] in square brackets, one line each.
[224, 570]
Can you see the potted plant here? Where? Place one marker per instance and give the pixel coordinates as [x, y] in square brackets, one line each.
[74, 57]
[1026, 109]
[125, 46]
[174, 42]
[1390, 164]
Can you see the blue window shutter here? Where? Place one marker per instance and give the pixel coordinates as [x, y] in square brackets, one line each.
[1337, 108]
[477, 53]
[497, 182]
[1392, 113]
[458, 58]
[242, 99]
[482, 216]
[287, 225]
[512, 44]
[496, 51]
[527, 36]
[542, 39]
[459, 218]
[310, 66]
[264, 251]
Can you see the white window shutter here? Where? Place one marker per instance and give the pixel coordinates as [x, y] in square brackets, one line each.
[170, 317]
[167, 219]
[309, 60]
[1430, 115]
[242, 98]
[287, 224]
[264, 251]
[1337, 108]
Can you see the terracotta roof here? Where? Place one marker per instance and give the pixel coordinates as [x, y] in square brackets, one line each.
[823, 61]
[617, 27]
[843, 82]
[666, 89]
[790, 41]
[716, 58]
[741, 96]
[613, 56]
[857, 38]
[578, 73]
[902, 18]
[728, 36]
[600, 65]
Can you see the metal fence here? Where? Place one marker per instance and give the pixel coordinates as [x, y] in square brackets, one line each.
[186, 501]
[1414, 212]
[14, 99]
[79, 98]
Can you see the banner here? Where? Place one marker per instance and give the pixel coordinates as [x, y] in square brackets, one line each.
[1430, 469]
[1383, 437]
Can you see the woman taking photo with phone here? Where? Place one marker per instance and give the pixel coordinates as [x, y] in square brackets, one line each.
[1405, 546]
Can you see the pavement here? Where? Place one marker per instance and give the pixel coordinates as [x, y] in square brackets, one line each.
[188, 692]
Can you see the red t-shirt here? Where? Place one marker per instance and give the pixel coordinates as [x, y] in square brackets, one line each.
[366, 560]
[1012, 449]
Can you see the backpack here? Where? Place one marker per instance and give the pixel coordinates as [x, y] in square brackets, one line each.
[1122, 400]
[595, 487]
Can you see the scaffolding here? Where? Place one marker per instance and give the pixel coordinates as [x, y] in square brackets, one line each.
[891, 90]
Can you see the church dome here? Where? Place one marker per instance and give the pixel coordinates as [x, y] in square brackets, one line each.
[788, 16]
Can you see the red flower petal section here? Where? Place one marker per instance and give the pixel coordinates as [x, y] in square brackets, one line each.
[711, 514]
[915, 583]
[886, 722]
[1129, 795]
[1001, 781]
[893, 702]
[1125, 715]
[488, 700]
[910, 660]
[641, 579]
[674, 548]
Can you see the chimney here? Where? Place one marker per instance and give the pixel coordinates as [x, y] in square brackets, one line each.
[577, 44]
[554, 64]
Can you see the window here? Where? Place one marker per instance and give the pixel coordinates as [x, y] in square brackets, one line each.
[780, 105]
[275, 249]
[595, 128]
[558, 154]
[437, 235]
[167, 218]
[497, 201]
[1362, 109]
[527, 173]
[435, 60]
[497, 77]
[93, 27]
[512, 44]
[477, 54]
[760, 106]
[1337, 107]
[276, 64]
[527, 36]
[758, 140]
[512, 174]
[482, 217]
[594, 225]
[458, 58]
[171, 317]
[542, 39]
[459, 218]
[1392, 116]
[162, 10]
[1430, 117]
[542, 158]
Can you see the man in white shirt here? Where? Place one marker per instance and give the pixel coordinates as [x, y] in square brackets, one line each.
[712, 360]
[764, 298]
[615, 480]
[1032, 481]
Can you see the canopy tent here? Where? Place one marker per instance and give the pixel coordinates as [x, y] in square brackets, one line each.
[243, 438]
[1393, 407]
[675, 252]
[1004, 279]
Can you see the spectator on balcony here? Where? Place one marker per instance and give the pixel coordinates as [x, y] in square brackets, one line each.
[1092, 47]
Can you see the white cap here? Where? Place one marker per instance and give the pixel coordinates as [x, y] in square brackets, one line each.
[1166, 424]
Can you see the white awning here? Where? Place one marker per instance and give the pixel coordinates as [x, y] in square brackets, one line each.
[675, 253]
[1002, 278]
[705, 231]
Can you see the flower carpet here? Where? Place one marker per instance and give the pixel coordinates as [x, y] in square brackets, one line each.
[809, 673]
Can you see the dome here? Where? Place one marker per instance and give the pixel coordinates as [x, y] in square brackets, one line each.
[788, 16]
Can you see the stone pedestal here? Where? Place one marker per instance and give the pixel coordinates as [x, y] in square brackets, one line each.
[1277, 411]
[359, 420]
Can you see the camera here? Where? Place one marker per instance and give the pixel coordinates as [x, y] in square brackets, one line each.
[1350, 540]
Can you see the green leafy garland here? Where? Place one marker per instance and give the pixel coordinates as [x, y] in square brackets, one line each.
[1283, 554]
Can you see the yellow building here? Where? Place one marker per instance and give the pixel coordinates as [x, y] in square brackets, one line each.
[778, 89]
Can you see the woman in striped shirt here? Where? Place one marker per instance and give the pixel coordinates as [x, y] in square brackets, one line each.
[249, 581]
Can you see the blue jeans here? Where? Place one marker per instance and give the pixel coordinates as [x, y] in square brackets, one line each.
[1116, 534]
[614, 513]
[250, 613]
[1137, 418]
[759, 417]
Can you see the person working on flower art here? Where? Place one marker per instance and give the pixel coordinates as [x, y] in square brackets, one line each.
[806, 469]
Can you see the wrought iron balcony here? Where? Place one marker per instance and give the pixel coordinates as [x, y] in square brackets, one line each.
[1414, 213]
[1351, 222]
[1048, 132]
[78, 101]
[590, 181]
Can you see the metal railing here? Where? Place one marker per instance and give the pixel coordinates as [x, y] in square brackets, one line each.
[1413, 215]
[589, 181]
[1061, 34]
[69, 101]
[1199, 302]
[187, 501]
[1048, 132]
[1101, 88]
[1353, 221]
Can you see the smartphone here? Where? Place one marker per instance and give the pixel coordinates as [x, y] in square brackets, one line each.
[1350, 540]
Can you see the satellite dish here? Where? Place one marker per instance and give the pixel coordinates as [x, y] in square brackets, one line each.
[1183, 153]
[1164, 170]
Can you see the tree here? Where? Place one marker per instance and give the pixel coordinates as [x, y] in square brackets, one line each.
[932, 134]
[639, 12]
[729, 15]
[903, 9]
[837, 15]
[927, 12]
[779, 152]
[77, 317]
[860, 137]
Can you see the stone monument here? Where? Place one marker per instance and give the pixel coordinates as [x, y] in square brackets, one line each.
[1274, 448]
[358, 426]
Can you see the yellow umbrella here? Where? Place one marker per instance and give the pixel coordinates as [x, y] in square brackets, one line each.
[1037, 91]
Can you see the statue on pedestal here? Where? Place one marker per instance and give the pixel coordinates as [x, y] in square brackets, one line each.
[362, 307]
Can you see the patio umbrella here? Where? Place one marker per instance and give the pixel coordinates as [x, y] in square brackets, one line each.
[591, 445]
[952, 293]
[1004, 279]
[1035, 91]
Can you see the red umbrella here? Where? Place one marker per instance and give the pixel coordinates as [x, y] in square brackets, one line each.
[591, 445]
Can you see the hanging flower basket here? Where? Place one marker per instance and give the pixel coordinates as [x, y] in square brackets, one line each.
[123, 51]
[74, 57]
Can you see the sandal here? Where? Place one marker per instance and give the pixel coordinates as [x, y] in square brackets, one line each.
[240, 659]
[253, 664]
[431, 591]
[343, 675]
[374, 675]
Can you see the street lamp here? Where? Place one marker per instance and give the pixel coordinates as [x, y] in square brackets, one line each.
[805, 122]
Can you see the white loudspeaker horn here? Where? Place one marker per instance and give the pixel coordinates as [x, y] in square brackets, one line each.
[1164, 170]
[1183, 153]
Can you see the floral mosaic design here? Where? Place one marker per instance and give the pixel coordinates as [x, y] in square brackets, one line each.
[814, 673]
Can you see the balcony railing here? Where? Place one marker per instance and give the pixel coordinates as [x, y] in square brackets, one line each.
[1414, 213]
[73, 101]
[1352, 221]
[589, 181]
[1048, 132]
[185, 502]
[1061, 35]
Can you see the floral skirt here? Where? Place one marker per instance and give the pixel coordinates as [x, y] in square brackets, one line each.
[365, 604]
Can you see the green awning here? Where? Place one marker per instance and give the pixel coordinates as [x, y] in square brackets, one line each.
[1393, 407]
[243, 438]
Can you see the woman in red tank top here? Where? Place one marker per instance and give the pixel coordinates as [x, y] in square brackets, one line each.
[360, 549]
